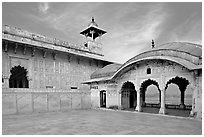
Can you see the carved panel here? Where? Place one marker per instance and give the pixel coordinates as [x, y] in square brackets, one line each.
[41, 65]
[35, 64]
[41, 80]
[15, 61]
[57, 67]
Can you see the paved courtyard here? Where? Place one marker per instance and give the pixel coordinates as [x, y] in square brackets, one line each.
[96, 122]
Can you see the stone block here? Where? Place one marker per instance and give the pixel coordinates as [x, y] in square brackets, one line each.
[95, 102]
[86, 101]
[40, 102]
[24, 103]
[53, 102]
[8, 104]
[76, 100]
[65, 101]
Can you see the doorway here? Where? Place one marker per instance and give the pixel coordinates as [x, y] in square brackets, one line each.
[103, 98]
[128, 96]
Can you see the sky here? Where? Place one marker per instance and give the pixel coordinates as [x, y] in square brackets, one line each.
[130, 26]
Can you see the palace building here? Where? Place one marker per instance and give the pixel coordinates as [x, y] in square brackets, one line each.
[35, 61]
[125, 86]
[38, 63]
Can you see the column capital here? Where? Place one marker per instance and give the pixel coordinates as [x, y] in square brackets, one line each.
[5, 76]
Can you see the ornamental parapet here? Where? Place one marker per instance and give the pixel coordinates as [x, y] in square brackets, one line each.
[23, 36]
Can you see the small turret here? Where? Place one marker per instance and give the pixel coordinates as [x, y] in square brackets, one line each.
[92, 32]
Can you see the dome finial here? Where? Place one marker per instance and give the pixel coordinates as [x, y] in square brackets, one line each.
[92, 19]
[93, 23]
[153, 45]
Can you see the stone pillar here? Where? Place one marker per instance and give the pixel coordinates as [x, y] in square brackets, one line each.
[162, 108]
[119, 100]
[182, 105]
[6, 82]
[17, 83]
[29, 82]
[23, 82]
[143, 98]
[194, 89]
[138, 108]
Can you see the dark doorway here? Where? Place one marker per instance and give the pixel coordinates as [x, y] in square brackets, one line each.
[128, 96]
[103, 98]
[18, 78]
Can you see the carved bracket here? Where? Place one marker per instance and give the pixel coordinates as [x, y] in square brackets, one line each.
[54, 55]
[78, 60]
[5, 77]
[69, 57]
[44, 53]
[24, 50]
[15, 48]
[33, 52]
[6, 46]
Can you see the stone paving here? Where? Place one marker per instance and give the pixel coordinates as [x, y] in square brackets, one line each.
[96, 122]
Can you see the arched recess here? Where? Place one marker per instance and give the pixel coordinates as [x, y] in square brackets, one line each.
[143, 89]
[18, 77]
[128, 95]
[182, 84]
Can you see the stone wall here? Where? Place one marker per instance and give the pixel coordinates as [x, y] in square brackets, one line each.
[161, 72]
[111, 94]
[25, 101]
[46, 68]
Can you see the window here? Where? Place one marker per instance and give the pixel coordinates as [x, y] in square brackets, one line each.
[148, 70]
[73, 87]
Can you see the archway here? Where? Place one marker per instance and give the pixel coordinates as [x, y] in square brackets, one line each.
[154, 105]
[182, 84]
[18, 78]
[103, 98]
[128, 96]
[175, 97]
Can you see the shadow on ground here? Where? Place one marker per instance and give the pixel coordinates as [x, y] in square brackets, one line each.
[171, 112]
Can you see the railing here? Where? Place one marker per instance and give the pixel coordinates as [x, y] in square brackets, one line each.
[168, 106]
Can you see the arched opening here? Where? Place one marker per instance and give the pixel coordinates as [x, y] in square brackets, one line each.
[18, 78]
[175, 97]
[103, 98]
[150, 96]
[128, 96]
[172, 94]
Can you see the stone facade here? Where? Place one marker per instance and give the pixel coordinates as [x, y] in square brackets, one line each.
[47, 64]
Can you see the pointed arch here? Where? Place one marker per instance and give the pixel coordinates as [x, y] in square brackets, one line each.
[128, 95]
[182, 84]
[18, 77]
[143, 88]
[180, 81]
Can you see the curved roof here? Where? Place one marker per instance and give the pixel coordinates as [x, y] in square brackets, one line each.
[191, 48]
[186, 54]
[106, 71]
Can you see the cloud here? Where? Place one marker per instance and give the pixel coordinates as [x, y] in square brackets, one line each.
[43, 7]
[130, 26]
[130, 40]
